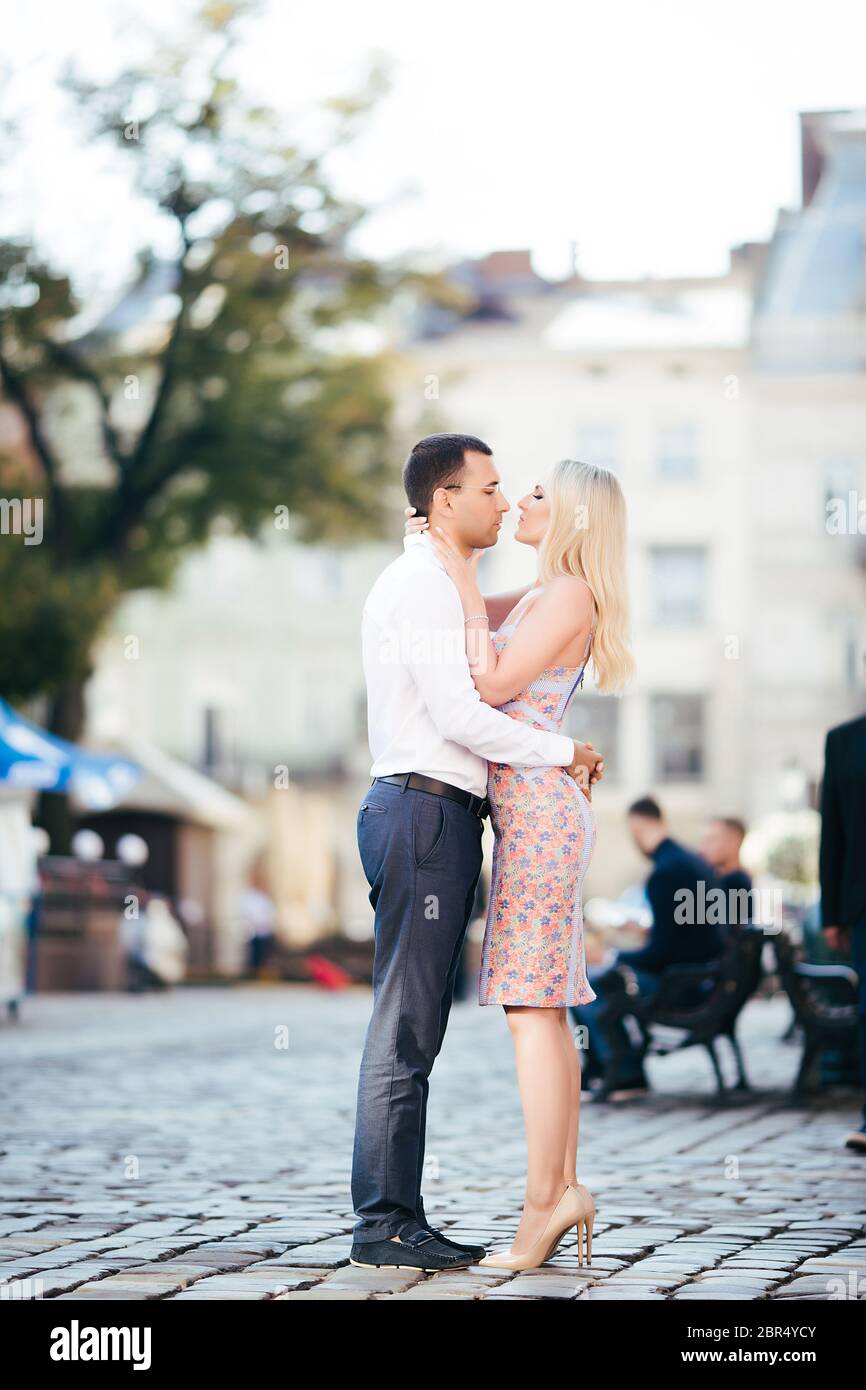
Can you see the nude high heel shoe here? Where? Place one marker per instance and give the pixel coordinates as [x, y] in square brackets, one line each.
[586, 1220]
[570, 1210]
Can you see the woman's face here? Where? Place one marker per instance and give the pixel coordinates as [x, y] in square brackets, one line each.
[534, 511]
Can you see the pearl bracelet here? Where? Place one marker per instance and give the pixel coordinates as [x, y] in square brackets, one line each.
[483, 616]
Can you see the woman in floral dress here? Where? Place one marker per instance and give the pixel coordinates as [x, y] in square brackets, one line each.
[530, 666]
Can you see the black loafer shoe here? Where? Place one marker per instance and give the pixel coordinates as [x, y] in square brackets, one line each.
[419, 1249]
[476, 1251]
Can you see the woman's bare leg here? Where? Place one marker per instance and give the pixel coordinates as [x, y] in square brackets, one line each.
[573, 1062]
[544, 1078]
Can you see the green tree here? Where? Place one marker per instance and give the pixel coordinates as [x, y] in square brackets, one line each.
[249, 399]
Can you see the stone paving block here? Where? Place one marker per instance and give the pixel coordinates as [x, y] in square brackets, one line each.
[545, 1288]
[656, 1281]
[56, 1280]
[314, 1254]
[321, 1293]
[94, 1293]
[697, 1293]
[107, 1289]
[646, 1293]
[260, 1208]
[425, 1293]
[812, 1284]
[392, 1285]
[217, 1295]
[833, 1264]
[292, 1272]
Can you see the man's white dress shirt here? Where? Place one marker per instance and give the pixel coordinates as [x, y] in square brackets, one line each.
[424, 713]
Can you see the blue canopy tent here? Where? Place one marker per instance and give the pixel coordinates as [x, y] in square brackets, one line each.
[31, 759]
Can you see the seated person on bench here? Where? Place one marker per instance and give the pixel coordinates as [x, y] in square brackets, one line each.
[679, 934]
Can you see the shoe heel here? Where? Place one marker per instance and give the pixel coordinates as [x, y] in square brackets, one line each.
[589, 1222]
[579, 1243]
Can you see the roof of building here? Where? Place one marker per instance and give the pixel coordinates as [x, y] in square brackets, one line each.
[814, 284]
[710, 317]
[176, 789]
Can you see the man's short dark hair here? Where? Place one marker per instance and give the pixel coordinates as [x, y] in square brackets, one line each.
[733, 823]
[436, 460]
[646, 806]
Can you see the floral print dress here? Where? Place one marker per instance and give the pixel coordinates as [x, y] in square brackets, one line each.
[533, 950]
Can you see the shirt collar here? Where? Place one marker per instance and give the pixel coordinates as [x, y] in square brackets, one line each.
[666, 843]
[421, 542]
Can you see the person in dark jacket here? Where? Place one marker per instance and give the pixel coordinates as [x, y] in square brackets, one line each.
[843, 868]
[720, 845]
[676, 889]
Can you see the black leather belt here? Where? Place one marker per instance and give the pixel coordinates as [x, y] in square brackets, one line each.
[478, 805]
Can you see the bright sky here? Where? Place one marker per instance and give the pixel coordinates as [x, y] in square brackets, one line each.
[654, 134]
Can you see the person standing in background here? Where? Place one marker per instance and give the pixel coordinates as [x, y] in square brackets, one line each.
[258, 914]
[842, 867]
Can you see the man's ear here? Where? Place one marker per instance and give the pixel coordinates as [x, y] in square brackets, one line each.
[442, 499]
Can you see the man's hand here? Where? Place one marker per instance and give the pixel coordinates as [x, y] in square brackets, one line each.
[837, 939]
[587, 766]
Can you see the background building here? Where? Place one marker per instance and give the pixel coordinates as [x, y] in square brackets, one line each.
[732, 408]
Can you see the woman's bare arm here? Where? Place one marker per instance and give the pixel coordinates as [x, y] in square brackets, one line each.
[499, 606]
[562, 613]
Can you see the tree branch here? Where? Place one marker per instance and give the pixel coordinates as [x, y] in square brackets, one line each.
[16, 390]
[68, 360]
[136, 490]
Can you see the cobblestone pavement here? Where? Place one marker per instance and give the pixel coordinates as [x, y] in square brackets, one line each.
[198, 1144]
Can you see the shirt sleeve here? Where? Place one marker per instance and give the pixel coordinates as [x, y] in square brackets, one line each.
[431, 621]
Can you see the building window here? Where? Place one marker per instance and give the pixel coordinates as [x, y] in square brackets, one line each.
[594, 719]
[678, 584]
[678, 737]
[598, 444]
[677, 453]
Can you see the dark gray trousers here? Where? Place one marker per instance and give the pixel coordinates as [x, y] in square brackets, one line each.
[421, 854]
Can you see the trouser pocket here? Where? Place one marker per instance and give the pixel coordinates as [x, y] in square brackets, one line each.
[429, 826]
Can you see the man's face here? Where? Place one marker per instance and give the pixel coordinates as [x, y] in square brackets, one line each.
[644, 832]
[474, 506]
[720, 843]
[711, 843]
[534, 520]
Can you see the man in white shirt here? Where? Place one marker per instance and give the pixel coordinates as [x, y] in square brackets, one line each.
[419, 837]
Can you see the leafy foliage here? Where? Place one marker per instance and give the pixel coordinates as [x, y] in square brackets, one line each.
[248, 396]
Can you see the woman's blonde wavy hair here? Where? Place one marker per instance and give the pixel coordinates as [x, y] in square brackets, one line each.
[586, 536]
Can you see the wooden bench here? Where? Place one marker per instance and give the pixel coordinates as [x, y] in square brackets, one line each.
[704, 1000]
[824, 1000]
